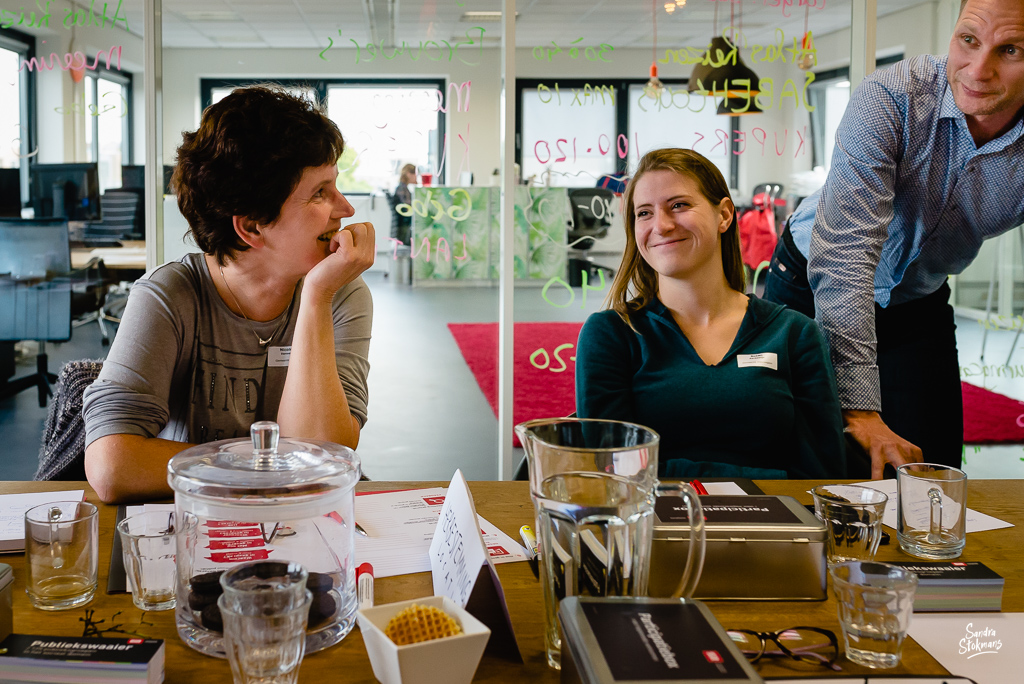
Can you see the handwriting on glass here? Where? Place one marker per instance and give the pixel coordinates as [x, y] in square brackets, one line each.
[771, 52]
[545, 363]
[79, 107]
[72, 60]
[371, 49]
[590, 53]
[441, 248]
[73, 16]
[586, 287]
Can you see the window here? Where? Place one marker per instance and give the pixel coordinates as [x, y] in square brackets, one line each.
[16, 131]
[659, 122]
[572, 132]
[386, 124]
[564, 145]
[108, 127]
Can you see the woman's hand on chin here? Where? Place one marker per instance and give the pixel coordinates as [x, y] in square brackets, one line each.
[352, 251]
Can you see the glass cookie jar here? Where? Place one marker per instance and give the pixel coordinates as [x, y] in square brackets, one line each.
[268, 499]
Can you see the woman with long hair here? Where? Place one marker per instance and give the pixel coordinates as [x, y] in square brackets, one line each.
[735, 386]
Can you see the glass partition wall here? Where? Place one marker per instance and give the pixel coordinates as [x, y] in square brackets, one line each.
[422, 83]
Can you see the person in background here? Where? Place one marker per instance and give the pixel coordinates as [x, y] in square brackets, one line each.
[270, 322]
[926, 167]
[735, 386]
[401, 225]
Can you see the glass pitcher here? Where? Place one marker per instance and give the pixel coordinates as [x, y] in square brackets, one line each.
[593, 485]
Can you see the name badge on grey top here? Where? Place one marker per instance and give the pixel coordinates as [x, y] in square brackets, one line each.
[278, 356]
[765, 360]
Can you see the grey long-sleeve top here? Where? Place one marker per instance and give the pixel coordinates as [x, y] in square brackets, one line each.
[184, 367]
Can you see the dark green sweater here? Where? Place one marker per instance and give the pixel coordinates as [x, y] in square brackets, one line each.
[737, 418]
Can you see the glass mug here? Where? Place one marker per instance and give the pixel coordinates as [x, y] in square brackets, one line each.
[931, 508]
[593, 485]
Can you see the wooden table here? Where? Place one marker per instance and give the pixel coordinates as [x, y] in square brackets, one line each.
[507, 504]
[131, 255]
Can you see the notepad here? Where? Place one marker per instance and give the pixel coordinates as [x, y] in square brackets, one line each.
[12, 514]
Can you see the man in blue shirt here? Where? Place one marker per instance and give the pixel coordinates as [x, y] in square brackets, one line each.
[928, 163]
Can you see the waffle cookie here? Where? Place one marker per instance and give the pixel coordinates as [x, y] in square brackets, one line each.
[421, 623]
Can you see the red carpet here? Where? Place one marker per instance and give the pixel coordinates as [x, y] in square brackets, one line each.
[543, 387]
[991, 418]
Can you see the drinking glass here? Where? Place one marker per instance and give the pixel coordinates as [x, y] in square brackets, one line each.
[593, 485]
[264, 587]
[148, 545]
[853, 516]
[874, 601]
[265, 647]
[931, 510]
[62, 550]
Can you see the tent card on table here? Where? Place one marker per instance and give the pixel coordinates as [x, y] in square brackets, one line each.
[462, 569]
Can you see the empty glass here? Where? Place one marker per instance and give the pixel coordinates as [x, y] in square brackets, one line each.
[148, 544]
[593, 485]
[853, 516]
[931, 510]
[62, 554]
[265, 648]
[265, 610]
[874, 602]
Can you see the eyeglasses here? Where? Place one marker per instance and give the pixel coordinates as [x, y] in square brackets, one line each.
[806, 644]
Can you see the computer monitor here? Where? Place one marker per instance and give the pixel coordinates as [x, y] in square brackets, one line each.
[133, 177]
[71, 191]
[35, 293]
[10, 193]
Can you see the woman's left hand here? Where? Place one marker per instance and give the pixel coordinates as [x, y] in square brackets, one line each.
[353, 249]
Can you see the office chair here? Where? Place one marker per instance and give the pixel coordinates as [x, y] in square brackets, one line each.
[35, 295]
[62, 454]
[123, 218]
[589, 223]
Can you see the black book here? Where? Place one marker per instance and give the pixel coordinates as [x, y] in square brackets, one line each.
[58, 659]
[948, 586]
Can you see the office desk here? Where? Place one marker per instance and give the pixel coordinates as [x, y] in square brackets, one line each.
[507, 504]
[131, 255]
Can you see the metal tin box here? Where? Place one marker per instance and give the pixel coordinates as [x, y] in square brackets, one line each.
[6, 607]
[758, 548]
[631, 640]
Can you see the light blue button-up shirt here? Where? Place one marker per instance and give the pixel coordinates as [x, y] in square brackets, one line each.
[908, 201]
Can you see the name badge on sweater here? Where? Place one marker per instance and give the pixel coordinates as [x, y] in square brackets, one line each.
[278, 356]
[766, 360]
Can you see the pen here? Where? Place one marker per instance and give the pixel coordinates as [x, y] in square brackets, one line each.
[699, 486]
[530, 542]
[364, 584]
[360, 530]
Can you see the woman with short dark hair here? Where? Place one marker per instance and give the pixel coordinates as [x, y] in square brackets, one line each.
[735, 386]
[270, 322]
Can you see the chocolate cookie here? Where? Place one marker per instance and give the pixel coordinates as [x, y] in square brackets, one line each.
[319, 583]
[212, 619]
[321, 609]
[199, 601]
[208, 583]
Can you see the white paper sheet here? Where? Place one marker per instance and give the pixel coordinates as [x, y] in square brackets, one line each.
[12, 514]
[976, 522]
[982, 646]
[724, 488]
[401, 526]
[457, 551]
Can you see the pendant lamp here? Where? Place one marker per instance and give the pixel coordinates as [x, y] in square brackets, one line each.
[720, 80]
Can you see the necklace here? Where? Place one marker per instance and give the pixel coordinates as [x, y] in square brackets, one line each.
[263, 342]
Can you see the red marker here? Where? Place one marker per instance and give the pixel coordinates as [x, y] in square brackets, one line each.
[699, 486]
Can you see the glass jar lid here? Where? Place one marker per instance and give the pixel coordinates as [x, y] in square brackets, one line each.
[259, 477]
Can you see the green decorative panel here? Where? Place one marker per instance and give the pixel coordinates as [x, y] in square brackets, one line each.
[455, 233]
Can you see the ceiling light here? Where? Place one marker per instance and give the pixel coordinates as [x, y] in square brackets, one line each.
[210, 15]
[483, 16]
[718, 80]
[670, 7]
